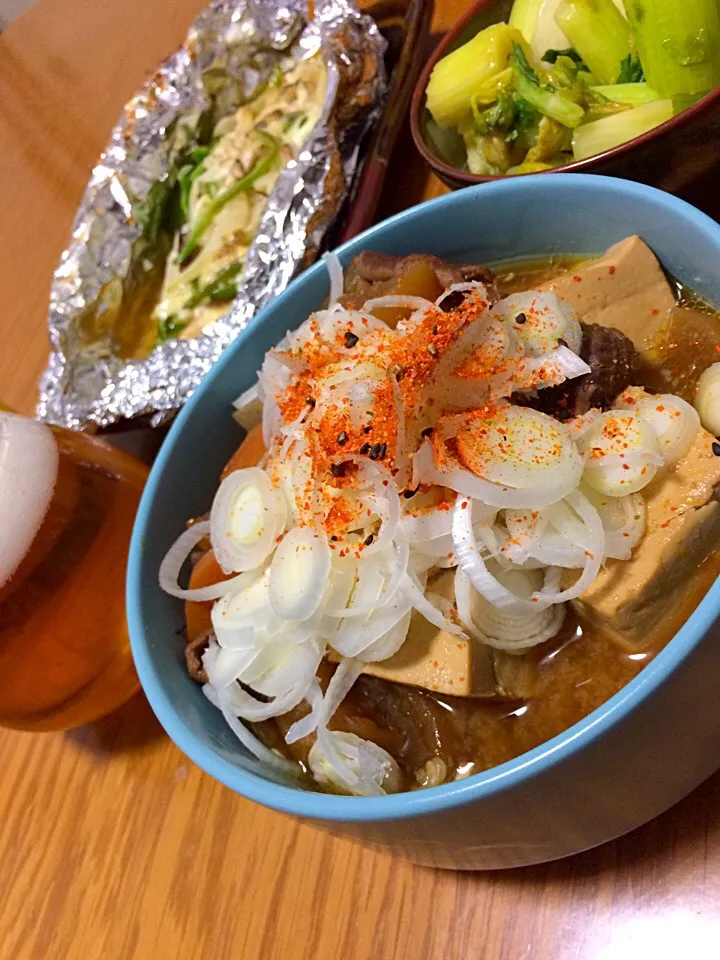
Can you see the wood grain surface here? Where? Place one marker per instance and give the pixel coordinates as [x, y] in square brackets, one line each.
[113, 846]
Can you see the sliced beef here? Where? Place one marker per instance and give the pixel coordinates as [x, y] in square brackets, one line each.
[611, 358]
[373, 274]
[193, 656]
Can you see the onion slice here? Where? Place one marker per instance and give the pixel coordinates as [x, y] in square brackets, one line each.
[175, 558]
[247, 515]
[335, 273]
[299, 573]
[247, 738]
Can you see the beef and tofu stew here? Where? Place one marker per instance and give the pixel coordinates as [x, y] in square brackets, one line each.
[470, 505]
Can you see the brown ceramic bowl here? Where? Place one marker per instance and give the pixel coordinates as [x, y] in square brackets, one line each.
[679, 156]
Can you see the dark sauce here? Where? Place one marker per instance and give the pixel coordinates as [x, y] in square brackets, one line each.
[437, 738]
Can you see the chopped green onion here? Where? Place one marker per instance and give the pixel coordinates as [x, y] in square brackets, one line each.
[633, 93]
[601, 135]
[599, 33]
[187, 175]
[467, 70]
[548, 102]
[169, 327]
[217, 288]
[262, 166]
[678, 42]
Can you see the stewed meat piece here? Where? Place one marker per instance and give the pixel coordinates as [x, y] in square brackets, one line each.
[611, 358]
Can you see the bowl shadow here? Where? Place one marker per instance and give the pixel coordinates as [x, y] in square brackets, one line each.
[682, 833]
[129, 729]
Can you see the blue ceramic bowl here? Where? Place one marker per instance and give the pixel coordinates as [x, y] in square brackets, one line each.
[629, 760]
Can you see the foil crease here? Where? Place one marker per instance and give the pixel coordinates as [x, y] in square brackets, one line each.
[86, 384]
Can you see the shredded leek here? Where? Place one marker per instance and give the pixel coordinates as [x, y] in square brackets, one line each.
[600, 135]
[599, 33]
[263, 165]
[678, 42]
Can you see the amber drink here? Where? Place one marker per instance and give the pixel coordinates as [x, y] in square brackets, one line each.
[67, 504]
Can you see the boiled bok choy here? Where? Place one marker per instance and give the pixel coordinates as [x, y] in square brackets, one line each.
[678, 42]
[459, 75]
[633, 94]
[566, 79]
[609, 132]
[599, 33]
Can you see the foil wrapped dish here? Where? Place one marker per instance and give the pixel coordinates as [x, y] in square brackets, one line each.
[219, 183]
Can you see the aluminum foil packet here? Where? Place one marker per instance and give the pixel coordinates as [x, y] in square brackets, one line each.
[232, 49]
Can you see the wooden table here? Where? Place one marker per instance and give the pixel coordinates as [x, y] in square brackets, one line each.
[113, 846]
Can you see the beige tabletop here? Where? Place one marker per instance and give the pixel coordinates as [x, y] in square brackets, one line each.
[113, 846]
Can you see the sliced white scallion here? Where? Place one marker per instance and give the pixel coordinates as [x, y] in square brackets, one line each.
[674, 421]
[500, 628]
[248, 739]
[522, 449]
[476, 570]
[707, 399]
[621, 453]
[246, 517]
[175, 559]
[299, 573]
[491, 494]
[540, 320]
[349, 764]
[335, 273]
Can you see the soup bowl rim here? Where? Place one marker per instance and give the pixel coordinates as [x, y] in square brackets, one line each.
[300, 801]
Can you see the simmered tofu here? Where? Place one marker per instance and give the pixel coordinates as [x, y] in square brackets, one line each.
[439, 661]
[445, 663]
[626, 289]
[630, 597]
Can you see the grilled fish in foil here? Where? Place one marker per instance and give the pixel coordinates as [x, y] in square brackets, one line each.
[218, 185]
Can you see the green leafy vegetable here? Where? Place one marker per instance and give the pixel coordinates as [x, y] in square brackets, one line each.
[631, 70]
[499, 116]
[547, 101]
[552, 138]
[550, 56]
[262, 166]
[525, 114]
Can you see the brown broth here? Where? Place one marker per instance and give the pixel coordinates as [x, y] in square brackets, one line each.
[438, 738]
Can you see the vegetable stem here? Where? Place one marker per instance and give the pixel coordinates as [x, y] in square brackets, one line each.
[600, 135]
[633, 93]
[678, 42]
[261, 167]
[548, 102]
[467, 71]
[599, 33]
[524, 17]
